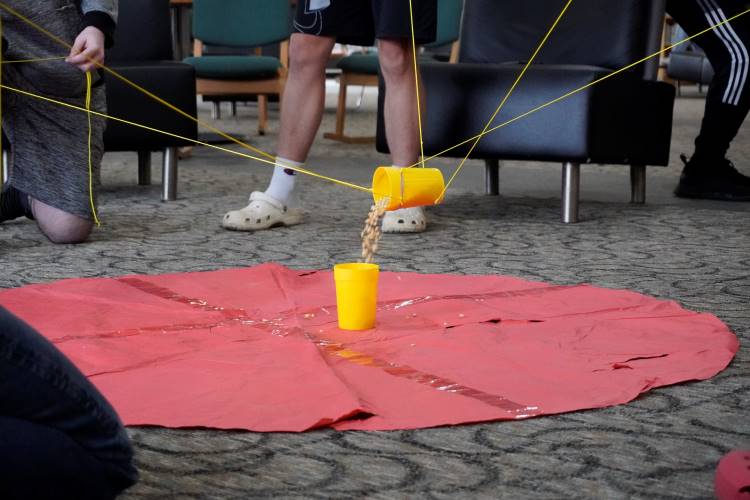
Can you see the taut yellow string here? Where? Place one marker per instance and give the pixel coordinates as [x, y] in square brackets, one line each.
[187, 139]
[135, 85]
[313, 174]
[41, 59]
[507, 95]
[582, 88]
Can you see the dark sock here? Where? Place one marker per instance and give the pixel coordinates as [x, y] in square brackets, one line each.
[14, 204]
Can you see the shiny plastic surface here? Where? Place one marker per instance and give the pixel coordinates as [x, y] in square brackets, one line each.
[260, 349]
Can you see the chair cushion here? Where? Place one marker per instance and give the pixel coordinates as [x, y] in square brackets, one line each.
[235, 67]
[691, 67]
[360, 63]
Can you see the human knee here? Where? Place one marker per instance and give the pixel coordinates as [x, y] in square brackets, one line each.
[395, 58]
[308, 53]
[59, 226]
[73, 230]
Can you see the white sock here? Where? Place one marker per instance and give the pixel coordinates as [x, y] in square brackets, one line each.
[282, 182]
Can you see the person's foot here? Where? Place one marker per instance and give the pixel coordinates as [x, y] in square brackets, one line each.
[263, 212]
[712, 181]
[405, 220]
[14, 204]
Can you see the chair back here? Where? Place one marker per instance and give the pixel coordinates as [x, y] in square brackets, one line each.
[241, 23]
[603, 33]
[448, 22]
[143, 32]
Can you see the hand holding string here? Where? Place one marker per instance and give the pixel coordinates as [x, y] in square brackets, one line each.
[87, 51]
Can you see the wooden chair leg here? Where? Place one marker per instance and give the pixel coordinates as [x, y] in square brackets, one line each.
[339, 134]
[262, 114]
[341, 107]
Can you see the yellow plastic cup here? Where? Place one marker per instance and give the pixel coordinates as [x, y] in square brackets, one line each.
[356, 295]
[408, 187]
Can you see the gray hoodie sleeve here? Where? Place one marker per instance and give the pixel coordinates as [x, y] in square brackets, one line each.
[109, 7]
[101, 14]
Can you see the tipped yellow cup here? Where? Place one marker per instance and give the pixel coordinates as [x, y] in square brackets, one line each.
[356, 295]
[408, 187]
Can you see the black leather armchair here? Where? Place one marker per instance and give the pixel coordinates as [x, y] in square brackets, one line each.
[625, 120]
[143, 53]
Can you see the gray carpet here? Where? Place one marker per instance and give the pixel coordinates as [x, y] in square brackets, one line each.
[663, 445]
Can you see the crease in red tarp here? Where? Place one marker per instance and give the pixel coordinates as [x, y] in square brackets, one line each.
[258, 348]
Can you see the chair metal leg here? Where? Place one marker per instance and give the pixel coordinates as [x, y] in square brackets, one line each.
[492, 177]
[4, 169]
[144, 168]
[638, 184]
[169, 175]
[216, 110]
[571, 175]
[175, 29]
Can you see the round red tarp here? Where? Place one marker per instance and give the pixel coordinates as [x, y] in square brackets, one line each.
[259, 349]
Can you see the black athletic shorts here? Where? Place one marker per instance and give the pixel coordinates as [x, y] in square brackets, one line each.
[359, 22]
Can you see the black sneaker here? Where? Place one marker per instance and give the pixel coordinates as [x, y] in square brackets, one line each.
[717, 181]
[14, 204]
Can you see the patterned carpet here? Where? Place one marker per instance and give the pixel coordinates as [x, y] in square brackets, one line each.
[664, 445]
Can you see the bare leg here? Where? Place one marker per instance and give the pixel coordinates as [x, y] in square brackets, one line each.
[401, 126]
[304, 95]
[60, 226]
[301, 114]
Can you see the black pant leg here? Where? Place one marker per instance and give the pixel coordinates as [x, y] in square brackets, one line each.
[51, 414]
[727, 48]
[39, 462]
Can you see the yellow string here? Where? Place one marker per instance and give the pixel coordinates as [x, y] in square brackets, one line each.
[307, 172]
[505, 99]
[188, 139]
[135, 85]
[91, 166]
[416, 83]
[584, 87]
[41, 59]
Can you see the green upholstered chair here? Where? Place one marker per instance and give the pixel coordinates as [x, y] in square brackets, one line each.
[362, 68]
[248, 24]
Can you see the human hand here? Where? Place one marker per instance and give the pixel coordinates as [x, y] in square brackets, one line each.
[87, 50]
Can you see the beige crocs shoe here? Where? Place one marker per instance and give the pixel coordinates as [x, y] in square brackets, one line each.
[263, 212]
[405, 220]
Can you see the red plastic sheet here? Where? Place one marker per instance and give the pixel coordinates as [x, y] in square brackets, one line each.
[259, 349]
